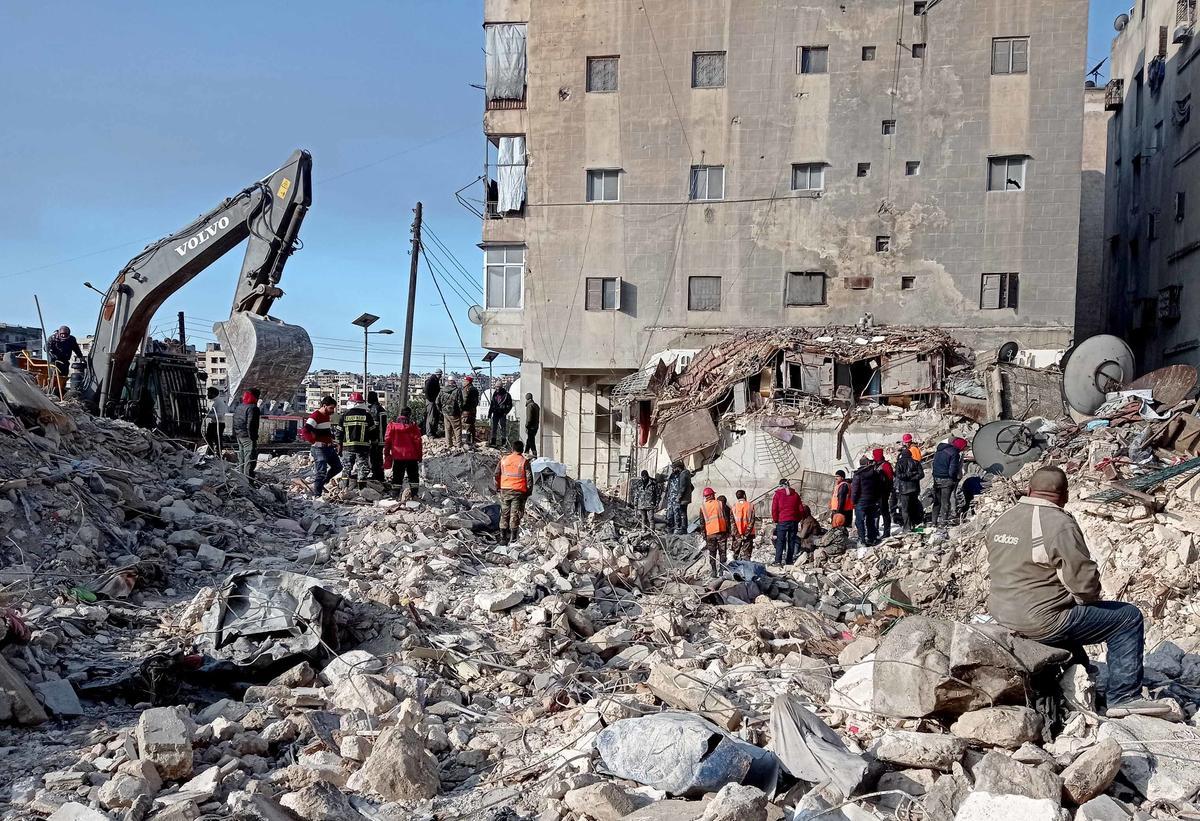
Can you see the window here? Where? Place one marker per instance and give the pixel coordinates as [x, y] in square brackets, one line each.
[998, 291]
[603, 294]
[1156, 138]
[708, 182]
[912, 168]
[908, 283]
[708, 69]
[919, 7]
[1006, 173]
[1180, 203]
[1137, 98]
[814, 60]
[704, 293]
[1152, 226]
[864, 168]
[889, 127]
[1010, 55]
[603, 185]
[868, 54]
[505, 269]
[808, 177]
[602, 74]
[883, 244]
[918, 51]
[805, 288]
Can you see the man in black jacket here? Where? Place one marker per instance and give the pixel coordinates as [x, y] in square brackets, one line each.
[533, 421]
[470, 407]
[246, 417]
[866, 488]
[909, 474]
[381, 422]
[947, 471]
[433, 413]
[498, 409]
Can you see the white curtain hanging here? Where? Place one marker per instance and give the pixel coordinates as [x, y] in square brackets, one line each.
[510, 168]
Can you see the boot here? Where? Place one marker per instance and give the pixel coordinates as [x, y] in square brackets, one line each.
[406, 494]
[504, 535]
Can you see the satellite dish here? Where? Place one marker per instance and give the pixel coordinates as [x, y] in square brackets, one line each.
[475, 314]
[1121, 22]
[1002, 447]
[1097, 366]
[1008, 352]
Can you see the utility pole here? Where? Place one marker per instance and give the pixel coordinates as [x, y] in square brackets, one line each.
[412, 306]
[182, 334]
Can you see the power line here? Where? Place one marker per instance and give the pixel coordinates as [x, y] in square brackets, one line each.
[466, 274]
[447, 307]
[464, 297]
[447, 271]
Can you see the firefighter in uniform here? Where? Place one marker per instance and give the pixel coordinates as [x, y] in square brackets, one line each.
[359, 433]
[743, 527]
[514, 480]
[716, 529]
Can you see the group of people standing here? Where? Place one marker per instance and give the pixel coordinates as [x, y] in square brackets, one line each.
[451, 411]
[247, 417]
[370, 443]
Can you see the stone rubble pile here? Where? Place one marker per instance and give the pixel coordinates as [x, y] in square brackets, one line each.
[203, 648]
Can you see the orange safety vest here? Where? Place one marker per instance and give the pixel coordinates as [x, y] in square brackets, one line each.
[915, 451]
[512, 473]
[715, 522]
[743, 517]
[833, 498]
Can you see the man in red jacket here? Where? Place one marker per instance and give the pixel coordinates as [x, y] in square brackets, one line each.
[402, 453]
[318, 432]
[889, 488]
[787, 510]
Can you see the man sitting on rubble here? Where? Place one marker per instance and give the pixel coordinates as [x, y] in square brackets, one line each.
[716, 529]
[318, 432]
[836, 540]
[1045, 586]
[514, 480]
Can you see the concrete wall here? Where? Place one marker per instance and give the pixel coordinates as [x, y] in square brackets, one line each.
[1091, 285]
[1143, 181]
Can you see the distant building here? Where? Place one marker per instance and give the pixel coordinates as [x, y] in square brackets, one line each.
[212, 361]
[21, 338]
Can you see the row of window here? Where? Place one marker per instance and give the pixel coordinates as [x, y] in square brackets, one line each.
[707, 182]
[1010, 55]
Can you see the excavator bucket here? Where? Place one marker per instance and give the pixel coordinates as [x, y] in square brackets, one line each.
[264, 353]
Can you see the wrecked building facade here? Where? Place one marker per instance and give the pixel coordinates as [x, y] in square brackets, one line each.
[657, 179]
[1152, 233]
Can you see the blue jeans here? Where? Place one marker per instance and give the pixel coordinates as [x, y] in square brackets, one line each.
[866, 519]
[786, 541]
[328, 465]
[1119, 626]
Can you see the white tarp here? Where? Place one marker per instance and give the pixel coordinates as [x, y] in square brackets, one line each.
[510, 168]
[504, 46]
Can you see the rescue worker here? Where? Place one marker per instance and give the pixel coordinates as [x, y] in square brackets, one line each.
[866, 489]
[533, 421]
[787, 509]
[450, 406]
[402, 453]
[716, 529]
[840, 500]
[743, 527]
[836, 540]
[947, 470]
[499, 407]
[379, 414]
[677, 498]
[61, 346]
[318, 432]
[887, 488]
[358, 434]
[245, 429]
[906, 441]
[909, 473]
[645, 498]
[514, 480]
[214, 420]
[470, 406]
[433, 413]
[1045, 586]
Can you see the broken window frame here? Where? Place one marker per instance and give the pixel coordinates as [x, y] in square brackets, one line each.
[606, 69]
[1010, 55]
[863, 170]
[706, 173]
[505, 265]
[918, 51]
[602, 294]
[888, 128]
[609, 182]
[1006, 287]
[811, 174]
[698, 301]
[709, 69]
[883, 243]
[797, 280]
[1010, 162]
[812, 59]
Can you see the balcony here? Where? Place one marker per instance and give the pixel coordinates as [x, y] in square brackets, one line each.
[1114, 95]
[1185, 20]
[505, 105]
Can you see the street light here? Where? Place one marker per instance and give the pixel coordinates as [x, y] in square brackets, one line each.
[366, 321]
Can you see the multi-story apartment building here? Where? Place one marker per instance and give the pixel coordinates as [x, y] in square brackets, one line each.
[212, 361]
[1153, 230]
[15, 338]
[661, 172]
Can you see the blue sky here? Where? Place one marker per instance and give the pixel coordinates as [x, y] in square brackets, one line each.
[125, 120]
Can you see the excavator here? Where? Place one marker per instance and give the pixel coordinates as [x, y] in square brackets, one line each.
[129, 377]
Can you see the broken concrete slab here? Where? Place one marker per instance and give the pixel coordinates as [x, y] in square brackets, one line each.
[1007, 727]
[1102, 808]
[604, 801]
[25, 708]
[998, 774]
[982, 806]
[735, 802]
[399, 767]
[928, 750]
[495, 601]
[321, 801]
[74, 811]
[353, 662]
[1160, 771]
[688, 691]
[1092, 772]
[59, 697]
[164, 738]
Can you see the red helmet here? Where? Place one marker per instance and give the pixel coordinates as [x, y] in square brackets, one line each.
[960, 443]
[906, 438]
[708, 491]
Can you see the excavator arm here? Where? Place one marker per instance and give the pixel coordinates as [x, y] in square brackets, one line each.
[268, 214]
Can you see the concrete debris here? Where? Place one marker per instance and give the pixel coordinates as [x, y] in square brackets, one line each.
[164, 738]
[926, 750]
[604, 802]
[1158, 757]
[1007, 727]
[734, 802]
[998, 774]
[1092, 772]
[399, 767]
[982, 806]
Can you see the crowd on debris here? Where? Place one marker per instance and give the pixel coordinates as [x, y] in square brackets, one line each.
[183, 642]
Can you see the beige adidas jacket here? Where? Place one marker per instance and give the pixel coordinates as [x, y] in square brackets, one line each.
[1040, 568]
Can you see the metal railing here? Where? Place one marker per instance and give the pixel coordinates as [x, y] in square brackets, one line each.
[1185, 12]
[1114, 95]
